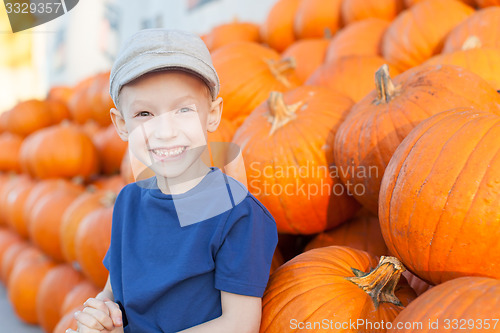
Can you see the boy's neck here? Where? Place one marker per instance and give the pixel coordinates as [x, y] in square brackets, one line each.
[185, 183]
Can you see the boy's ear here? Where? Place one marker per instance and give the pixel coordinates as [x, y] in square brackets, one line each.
[119, 122]
[214, 115]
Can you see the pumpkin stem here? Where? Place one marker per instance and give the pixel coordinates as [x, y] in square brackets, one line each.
[281, 68]
[472, 42]
[279, 112]
[381, 282]
[385, 87]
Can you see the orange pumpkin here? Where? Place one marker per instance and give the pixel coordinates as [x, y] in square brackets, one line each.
[379, 122]
[228, 33]
[99, 99]
[277, 260]
[14, 205]
[409, 3]
[481, 61]
[67, 321]
[441, 188]
[419, 32]
[309, 54]
[9, 257]
[359, 38]
[60, 151]
[417, 284]
[468, 303]
[7, 240]
[10, 146]
[357, 10]
[59, 110]
[60, 93]
[111, 149]
[337, 283]
[351, 76]
[74, 214]
[10, 184]
[58, 282]
[46, 219]
[92, 242]
[78, 295]
[277, 30]
[481, 25]
[79, 103]
[29, 116]
[362, 233]
[109, 183]
[24, 284]
[282, 172]
[317, 18]
[487, 3]
[260, 71]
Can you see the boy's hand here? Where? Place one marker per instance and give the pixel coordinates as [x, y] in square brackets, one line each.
[99, 315]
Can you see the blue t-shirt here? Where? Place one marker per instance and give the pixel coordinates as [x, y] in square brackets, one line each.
[170, 255]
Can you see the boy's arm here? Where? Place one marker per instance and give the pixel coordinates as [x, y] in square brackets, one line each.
[107, 292]
[239, 314]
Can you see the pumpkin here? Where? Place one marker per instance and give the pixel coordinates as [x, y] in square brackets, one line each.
[58, 282]
[113, 183]
[60, 93]
[79, 103]
[10, 184]
[482, 25]
[336, 283]
[92, 242]
[260, 71]
[379, 122]
[277, 31]
[351, 75]
[409, 3]
[419, 32]
[74, 214]
[8, 238]
[59, 110]
[4, 121]
[60, 151]
[359, 38]
[416, 283]
[78, 295]
[29, 116]
[14, 205]
[317, 18]
[357, 10]
[46, 219]
[10, 145]
[286, 144]
[277, 260]
[9, 257]
[482, 61]
[439, 197]
[24, 284]
[228, 33]
[219, 144]
[487, 3]
[67, 321]
[362, 233]
[110, 148]
[467, 303]
[309, 54]
[100, 100]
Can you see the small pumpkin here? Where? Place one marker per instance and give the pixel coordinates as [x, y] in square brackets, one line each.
[335, 282]
[419, 32]
[357, 10]
[309, 54]
[10, 146]
[277, 30]
[317, 18]
[228, 33]
[110, 148]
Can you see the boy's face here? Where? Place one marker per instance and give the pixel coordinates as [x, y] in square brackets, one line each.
[165, 116]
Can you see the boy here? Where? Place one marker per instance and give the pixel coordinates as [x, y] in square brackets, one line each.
[190, 249]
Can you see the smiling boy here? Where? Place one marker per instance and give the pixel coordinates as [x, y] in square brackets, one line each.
[191, 248]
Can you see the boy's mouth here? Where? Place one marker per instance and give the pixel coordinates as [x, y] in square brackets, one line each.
[168, 153]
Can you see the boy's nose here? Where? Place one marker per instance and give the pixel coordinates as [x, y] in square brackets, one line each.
[165, 126]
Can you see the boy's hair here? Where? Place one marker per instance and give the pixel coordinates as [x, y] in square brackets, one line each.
[151, 50]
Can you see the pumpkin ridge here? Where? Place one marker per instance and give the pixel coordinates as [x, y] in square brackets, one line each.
[467, 161]
[424, 182]
[475, 193]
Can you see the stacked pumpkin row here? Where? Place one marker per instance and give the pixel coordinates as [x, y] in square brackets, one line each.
[60, 163]
[387, 105]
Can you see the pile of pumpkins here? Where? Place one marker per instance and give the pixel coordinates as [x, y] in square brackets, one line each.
[368, 128]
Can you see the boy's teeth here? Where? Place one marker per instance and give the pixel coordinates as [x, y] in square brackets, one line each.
[169, 152]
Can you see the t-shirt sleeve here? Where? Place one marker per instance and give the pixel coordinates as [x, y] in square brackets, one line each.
[243, 261]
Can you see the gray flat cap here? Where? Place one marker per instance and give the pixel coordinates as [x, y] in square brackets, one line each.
[158, 49]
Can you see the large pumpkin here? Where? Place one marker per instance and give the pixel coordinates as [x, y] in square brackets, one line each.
[277, 30]
[260, 71]
[60, 151]
[487, 3]
[351, 75]
[58, 282]
[357, 10]
[317, 18]
[359, 38]
[418, 33]
[376, 125]
[467, 304]
[439, 202]
[334, 286]
[286, 146]
[483, 25]
[92, 242]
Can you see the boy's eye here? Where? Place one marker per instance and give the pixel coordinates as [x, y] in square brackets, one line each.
[185, 109]
[143, 114]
